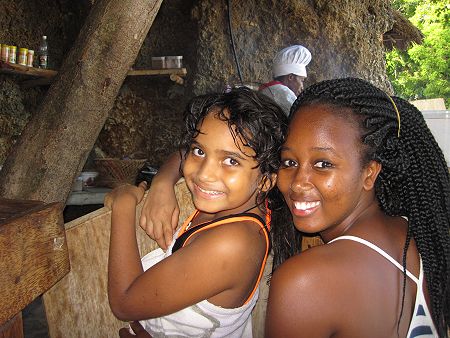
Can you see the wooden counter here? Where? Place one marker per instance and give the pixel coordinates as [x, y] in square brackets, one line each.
[33, 257]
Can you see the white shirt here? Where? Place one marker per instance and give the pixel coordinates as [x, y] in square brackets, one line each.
[280, 93]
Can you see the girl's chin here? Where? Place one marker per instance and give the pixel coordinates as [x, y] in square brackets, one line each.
[307, 228]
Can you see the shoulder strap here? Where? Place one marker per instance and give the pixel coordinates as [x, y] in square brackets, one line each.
[380, 251]
[187, 234]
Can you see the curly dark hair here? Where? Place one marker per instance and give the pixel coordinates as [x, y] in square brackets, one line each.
[414, 179]
[252, 118]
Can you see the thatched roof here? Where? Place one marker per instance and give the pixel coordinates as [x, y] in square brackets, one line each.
[402, 34]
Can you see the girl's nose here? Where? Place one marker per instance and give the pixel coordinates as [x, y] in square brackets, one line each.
[302, 180]
[207, 171]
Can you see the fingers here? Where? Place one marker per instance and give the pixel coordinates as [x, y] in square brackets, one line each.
[139, 330]
[175, 217]
[159, 233]
[168, 235]
[125, 333]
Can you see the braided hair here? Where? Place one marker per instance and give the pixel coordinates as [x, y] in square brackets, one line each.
[414, 179]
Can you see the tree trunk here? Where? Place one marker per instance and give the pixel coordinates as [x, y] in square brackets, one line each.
[55, 144]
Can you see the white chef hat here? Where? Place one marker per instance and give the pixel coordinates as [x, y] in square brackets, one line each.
[291, 60]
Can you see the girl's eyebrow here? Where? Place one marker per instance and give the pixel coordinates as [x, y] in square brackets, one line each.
[234, 154]
[320, 149]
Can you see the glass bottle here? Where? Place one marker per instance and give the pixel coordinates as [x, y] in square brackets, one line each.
[43, 53]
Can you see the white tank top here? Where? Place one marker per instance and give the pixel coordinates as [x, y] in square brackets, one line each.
[205, 319]
[421, 324]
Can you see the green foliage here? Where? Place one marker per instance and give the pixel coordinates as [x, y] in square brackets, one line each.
[423, 70]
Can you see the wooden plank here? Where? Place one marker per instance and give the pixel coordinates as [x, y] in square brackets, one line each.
[10, 209]
[13, 328]
[14, 68]
[167, 71]
[33, 254]
[77, 306]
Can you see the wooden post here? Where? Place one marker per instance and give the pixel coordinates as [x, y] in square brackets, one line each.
[55, 144]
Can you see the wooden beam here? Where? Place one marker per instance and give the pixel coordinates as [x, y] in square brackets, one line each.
[33, 252]
[166, 71]
[13, 68]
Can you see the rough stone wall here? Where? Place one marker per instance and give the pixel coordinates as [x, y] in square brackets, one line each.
[23, 23]
[344, 36]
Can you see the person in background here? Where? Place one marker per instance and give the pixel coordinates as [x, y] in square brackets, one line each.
[160, 213]
[289, 72]
[362, 169]
[207, 282]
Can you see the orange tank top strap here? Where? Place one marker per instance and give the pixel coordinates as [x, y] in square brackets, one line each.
[187, 223]
[186, 234]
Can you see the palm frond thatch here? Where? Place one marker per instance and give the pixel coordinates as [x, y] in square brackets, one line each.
[402, 34]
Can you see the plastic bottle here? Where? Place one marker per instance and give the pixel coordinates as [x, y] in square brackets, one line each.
[43, 53]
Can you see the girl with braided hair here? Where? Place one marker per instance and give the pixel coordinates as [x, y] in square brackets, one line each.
[362, 169]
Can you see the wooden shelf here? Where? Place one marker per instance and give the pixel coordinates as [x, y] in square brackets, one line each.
[45, 76]
[167, 71]
[13, 68]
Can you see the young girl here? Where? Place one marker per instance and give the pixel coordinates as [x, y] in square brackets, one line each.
[206, 283]
[362, 169]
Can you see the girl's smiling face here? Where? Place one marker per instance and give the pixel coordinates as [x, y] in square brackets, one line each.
[322, 178]
[223, 177]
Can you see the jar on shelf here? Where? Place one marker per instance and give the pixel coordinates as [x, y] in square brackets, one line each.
[5, 53]
[174, 61]
[30, 58]
[12, 54]
[158, 62]
[22, 59]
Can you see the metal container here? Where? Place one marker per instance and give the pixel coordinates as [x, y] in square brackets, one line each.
[174, 61]
[158, 62]
[439, 123]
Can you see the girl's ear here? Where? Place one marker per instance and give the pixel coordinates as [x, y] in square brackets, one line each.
[371, 173]
[267, 182]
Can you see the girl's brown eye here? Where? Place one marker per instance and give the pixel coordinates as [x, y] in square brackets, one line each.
[288, 163]
[197, 152]
[231, 161]
[323, 164]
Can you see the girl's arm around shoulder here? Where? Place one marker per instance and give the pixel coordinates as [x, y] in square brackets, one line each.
[219, 264]
[301, 300]
[159, 217]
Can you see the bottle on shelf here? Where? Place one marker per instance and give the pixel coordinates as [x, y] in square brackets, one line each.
[43, 53]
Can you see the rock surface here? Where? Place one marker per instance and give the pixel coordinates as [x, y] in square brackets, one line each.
[345, 38]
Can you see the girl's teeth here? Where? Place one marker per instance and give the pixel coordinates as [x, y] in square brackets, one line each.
[305, 205]
[209, 192]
